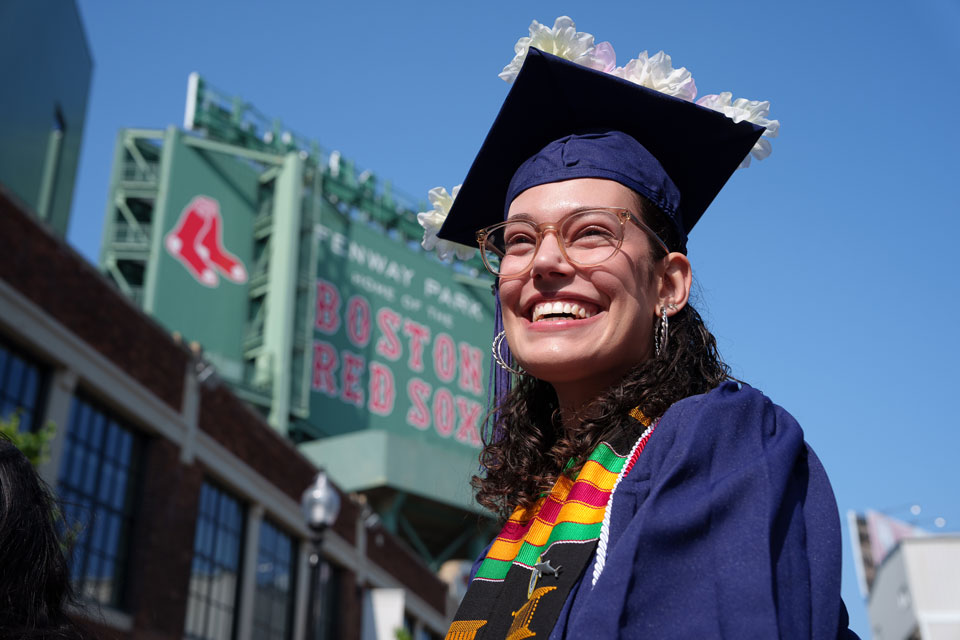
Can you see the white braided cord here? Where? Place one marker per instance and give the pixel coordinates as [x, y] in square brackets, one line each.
[605, 527]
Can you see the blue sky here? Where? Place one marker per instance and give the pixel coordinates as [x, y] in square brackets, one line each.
[827, 272]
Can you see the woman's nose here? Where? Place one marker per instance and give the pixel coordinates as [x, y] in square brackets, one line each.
[550, 258]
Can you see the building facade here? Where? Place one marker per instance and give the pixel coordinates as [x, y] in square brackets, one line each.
[916, 591]
[907, 576]
[182, 502]
[45, 77]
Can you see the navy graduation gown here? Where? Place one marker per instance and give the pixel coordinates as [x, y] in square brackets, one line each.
[726, 527]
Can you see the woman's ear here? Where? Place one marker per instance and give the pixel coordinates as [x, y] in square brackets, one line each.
[675, 282]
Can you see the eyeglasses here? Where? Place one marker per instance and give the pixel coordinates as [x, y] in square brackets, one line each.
[586, 238]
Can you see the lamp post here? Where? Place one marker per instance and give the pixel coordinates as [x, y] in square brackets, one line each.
[321, 505]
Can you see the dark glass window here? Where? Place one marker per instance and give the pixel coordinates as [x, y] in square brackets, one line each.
[97, 481]
[22, 382]
[273, 602]
[215, 573]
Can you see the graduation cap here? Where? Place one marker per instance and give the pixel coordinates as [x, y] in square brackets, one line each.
[676, 153]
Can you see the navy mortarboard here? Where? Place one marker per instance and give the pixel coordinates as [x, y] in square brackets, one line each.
[562, 120]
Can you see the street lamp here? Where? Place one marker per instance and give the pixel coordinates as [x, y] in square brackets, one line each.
[321, 505]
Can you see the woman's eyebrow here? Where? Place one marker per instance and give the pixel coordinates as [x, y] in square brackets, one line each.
[527, 216]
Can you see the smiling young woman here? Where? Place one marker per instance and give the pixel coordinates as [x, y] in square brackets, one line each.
[644, 492]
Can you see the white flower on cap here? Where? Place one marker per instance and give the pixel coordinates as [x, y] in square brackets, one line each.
[431, 221]
[654, 72]
[657, 73]
[564, 41]
[741, 109]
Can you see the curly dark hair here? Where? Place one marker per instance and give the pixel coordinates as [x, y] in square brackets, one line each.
[35, 589]
[526, 446]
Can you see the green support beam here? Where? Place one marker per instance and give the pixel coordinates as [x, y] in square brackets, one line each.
[283, 273]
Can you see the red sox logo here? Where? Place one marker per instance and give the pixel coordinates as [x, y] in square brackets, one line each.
[197, 242]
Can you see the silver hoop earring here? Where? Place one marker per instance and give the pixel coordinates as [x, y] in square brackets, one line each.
[661, 333]
[497, 341]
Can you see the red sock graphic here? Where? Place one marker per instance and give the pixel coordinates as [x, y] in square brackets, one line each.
[182, 241]
[211, 248]
[197, 242]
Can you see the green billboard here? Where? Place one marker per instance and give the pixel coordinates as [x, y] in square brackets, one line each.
[197, 276]
[401, 342]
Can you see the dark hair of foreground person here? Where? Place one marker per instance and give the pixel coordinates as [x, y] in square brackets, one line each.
[35, 589]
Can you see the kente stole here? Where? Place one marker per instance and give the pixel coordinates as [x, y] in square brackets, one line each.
[542, 552]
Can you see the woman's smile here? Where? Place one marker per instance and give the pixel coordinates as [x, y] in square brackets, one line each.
[552, 323]
[559, 310]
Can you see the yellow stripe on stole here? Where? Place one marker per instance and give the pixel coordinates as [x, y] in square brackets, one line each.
[561, 488]
[640, 417]
[464, 629]
[594, 473]
[502, 550]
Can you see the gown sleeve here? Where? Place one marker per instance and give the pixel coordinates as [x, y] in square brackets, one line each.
[726, 527]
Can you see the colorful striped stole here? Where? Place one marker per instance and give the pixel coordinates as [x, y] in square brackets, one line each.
[542, 551]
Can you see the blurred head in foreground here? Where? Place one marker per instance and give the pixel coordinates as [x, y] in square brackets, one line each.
[35, 585]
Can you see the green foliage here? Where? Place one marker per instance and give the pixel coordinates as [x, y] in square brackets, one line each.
[403, 634]
[36, 445]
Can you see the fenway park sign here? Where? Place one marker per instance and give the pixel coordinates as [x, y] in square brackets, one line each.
[399, 341]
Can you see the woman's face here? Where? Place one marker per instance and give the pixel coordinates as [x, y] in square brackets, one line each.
[621, 296]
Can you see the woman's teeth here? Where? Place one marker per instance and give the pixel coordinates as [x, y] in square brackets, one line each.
[559, 311]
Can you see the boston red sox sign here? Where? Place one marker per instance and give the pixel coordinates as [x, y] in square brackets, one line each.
[397, 337]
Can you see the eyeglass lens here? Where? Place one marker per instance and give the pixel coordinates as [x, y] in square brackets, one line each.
[588, 238]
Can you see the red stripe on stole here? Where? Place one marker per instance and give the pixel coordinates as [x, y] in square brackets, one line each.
[589, 494]
[550, 510]
[513, 531]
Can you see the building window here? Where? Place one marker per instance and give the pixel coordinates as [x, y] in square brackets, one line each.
[273, 608]
[214, 575]
[22, 382]
[97, 480]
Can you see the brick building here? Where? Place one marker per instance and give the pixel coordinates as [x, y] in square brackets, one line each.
[186, 501]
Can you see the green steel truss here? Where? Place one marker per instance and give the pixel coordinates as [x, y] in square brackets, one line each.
[127, 231]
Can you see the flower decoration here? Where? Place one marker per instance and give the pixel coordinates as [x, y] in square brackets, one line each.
[656, 72]
[431, 221]
[565, 41]
[742, 109]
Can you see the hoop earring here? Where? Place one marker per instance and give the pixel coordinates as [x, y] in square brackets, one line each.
[497, 341]
[661, 333]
